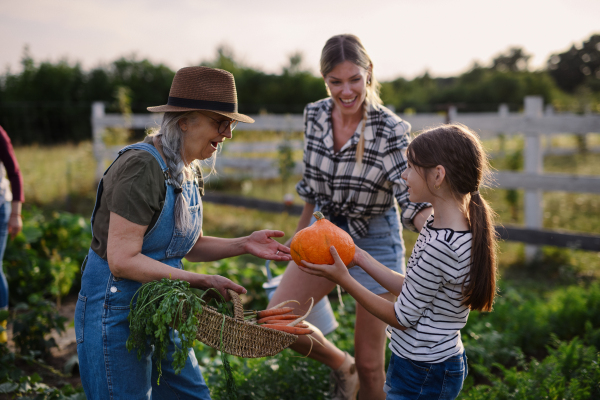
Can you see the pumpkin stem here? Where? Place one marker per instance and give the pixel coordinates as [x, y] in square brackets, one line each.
[318, 215]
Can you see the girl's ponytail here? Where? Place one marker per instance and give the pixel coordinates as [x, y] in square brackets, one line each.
[459, 150]
[479, 293]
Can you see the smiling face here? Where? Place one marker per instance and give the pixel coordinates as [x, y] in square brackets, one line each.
[201, 135]
[418, 190]
[347, 83]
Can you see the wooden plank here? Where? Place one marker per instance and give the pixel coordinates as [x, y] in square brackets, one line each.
[544, 237]
[537, 237]
[255, 204]
[547, 182]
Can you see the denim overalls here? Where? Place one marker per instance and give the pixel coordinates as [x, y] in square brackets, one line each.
[108, 370]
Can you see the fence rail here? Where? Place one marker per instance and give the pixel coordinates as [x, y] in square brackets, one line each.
[534, 123]
[536, 237]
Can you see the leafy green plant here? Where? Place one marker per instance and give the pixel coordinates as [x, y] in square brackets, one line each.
[571, 371]
[45, 258]
[158, 306]
[32, 322]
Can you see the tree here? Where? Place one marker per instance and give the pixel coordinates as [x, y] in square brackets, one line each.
[576, 66]
[515, 60]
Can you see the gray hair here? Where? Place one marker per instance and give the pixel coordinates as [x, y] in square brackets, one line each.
[172, 139]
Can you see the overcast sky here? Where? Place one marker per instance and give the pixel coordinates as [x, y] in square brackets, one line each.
[404, 38]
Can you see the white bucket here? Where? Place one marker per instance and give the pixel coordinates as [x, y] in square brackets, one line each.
[321, 315]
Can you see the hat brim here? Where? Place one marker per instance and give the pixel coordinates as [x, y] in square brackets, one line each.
[235, 116]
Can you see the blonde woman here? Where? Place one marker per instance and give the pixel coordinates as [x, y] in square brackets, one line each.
[354, 155]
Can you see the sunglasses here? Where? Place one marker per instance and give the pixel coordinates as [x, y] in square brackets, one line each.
[224, 124]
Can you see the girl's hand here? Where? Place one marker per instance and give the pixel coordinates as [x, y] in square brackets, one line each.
[335, 272]
[221, 284]
[260, 244]
[358, 258]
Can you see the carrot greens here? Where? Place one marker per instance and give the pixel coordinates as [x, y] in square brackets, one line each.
[159, 306]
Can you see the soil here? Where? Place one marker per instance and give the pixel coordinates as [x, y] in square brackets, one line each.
[60, 356]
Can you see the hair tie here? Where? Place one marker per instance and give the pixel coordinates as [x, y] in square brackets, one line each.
[474, 193]
[178, 190]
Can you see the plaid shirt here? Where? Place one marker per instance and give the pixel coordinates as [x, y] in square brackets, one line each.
[339, 185]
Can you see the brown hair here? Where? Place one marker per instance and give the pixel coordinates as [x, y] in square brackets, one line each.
[348, 47]
[459, 151]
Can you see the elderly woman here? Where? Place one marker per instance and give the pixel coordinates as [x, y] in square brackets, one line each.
[354, 154]
[148, 216]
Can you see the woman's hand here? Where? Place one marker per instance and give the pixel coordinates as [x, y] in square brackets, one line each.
[335, 272]
[15, 224]
[260, 244]
[221, 284]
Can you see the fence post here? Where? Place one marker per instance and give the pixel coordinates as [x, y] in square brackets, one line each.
[452, 114]
[97, 144]
[533, 162]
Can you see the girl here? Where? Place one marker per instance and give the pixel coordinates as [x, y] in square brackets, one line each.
[451, 271]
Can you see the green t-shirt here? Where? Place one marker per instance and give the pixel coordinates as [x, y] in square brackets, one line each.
[134, 188]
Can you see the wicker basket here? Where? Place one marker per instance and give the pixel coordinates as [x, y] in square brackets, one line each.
[240, 338]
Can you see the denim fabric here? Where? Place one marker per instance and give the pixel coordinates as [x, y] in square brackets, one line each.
[108, 370]
[383, 242]
[5, 210]
[411, 380]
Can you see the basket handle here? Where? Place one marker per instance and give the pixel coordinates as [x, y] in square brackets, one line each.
[238, 310]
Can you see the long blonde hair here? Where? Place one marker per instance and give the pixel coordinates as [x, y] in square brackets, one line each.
[348, 47]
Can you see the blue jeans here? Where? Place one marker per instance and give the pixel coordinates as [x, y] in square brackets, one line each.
[411, 380]
[4, 217]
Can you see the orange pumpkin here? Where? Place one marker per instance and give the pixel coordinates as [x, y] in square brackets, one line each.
[312, 244]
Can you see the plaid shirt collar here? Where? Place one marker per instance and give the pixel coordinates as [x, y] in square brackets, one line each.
[323, 124]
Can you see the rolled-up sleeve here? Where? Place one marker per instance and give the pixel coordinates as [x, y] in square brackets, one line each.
[420, 286]
[303, 189]
[395, 162]
[8, 158]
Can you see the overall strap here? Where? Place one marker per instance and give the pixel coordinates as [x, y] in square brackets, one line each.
[150, 149]
[137, 146]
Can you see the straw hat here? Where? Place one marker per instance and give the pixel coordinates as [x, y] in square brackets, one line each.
[203, 88]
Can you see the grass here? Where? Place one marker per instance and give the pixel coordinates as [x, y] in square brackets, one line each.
[62, 177]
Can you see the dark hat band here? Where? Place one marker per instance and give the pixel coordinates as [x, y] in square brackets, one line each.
[202, 104]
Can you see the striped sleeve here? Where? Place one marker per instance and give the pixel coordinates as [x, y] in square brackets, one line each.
[423, 281]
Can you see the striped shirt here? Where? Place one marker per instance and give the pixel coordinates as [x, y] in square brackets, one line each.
[430, 302]
[339, 185]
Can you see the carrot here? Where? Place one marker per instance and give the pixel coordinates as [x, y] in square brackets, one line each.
[277, 318]
[312, 302]
[284, 323]
[284, 303]
[274, 311]
[289, 329]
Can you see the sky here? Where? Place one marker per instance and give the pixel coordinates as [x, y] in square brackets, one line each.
[404, 38]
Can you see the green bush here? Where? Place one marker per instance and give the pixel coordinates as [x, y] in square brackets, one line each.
[571, 371]
[45, 258]
[32, 323]
[523, 323]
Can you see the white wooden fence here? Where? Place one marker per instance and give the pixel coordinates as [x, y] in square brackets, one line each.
[534, 123]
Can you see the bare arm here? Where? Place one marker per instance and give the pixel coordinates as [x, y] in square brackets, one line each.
[391, 280]
[421, 217]
[338, 273]
[125, 260]
[376, 305]
[15, 223]
[259, 243]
